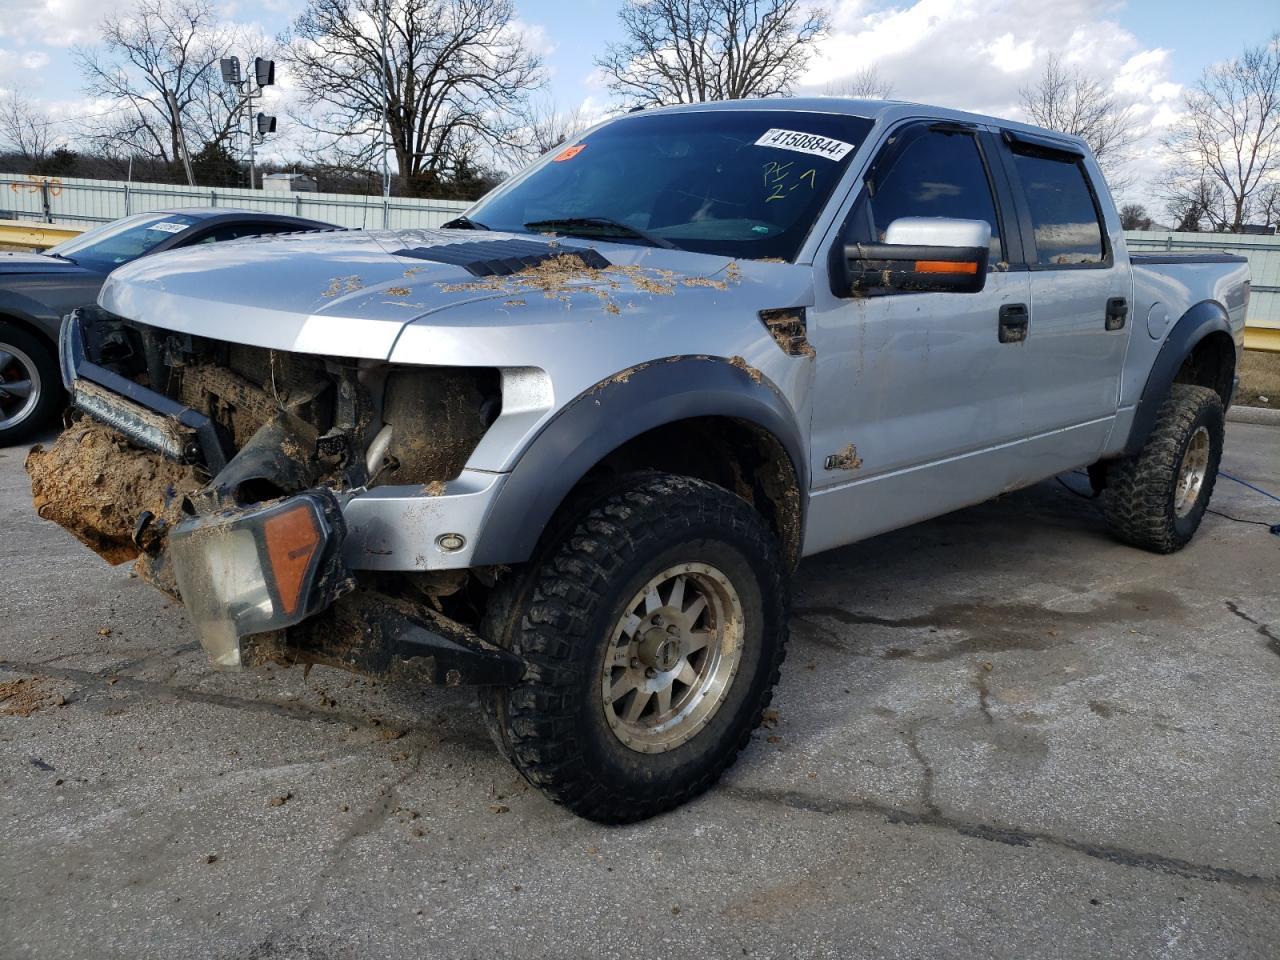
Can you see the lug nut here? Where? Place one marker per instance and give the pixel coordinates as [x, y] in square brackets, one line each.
[651, 673]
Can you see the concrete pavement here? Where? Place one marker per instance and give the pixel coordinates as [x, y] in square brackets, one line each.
[998, 734]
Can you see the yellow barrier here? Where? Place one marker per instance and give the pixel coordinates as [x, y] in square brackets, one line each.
[1262, 338]
[24, 233]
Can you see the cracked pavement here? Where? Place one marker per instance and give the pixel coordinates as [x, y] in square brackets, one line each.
[998, 734]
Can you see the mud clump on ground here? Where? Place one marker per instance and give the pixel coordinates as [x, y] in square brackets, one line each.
[22, 698]
[94, 484]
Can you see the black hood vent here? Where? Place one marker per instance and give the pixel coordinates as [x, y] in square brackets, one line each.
[501, 258]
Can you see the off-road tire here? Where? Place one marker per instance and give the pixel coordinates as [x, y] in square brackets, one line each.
[44, 357]
[560, 615]
[1140, 494]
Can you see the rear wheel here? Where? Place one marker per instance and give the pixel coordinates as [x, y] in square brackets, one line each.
[30, 386]
[1157, 499]
[655, 629]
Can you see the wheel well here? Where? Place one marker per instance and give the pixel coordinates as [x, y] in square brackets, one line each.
[1212, 364]
[32, 328]
[735, 454]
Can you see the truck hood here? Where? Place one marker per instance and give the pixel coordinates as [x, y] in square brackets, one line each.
[352, 293]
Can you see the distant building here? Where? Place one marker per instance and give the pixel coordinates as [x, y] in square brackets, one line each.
[289, 182]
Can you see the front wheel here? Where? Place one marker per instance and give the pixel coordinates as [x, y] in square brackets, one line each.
[655, 629]
[1157, 499]
[30, 386]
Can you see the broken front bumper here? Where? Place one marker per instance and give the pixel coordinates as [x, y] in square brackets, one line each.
[259, 569]
[246, 575]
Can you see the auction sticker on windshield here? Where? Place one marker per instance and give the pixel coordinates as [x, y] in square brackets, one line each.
[802, 142]
[168, 226]
[568, 153]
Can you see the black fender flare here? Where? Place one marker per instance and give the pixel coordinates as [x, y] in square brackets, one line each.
[603, 418]
[1204, 318]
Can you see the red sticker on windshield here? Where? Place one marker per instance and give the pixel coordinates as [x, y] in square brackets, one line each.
[568, 153]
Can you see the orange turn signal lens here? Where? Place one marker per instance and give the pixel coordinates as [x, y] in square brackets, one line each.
[291, 538]
[945, 266]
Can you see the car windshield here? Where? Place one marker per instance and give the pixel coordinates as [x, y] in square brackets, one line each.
[106, 247]
[740, 183]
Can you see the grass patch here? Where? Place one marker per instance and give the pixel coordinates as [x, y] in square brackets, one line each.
[1259, 380]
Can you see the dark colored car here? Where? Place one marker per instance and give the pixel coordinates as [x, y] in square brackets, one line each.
[38, 289]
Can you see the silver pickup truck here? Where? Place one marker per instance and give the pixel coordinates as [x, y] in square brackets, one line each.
[571, 447]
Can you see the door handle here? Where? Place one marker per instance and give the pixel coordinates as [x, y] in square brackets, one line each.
[1014, 318]
[1117, 313]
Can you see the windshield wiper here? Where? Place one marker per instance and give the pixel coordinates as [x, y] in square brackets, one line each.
[602, 226]
[464, 223]
[59, 256]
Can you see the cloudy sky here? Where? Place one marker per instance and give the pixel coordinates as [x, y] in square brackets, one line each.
[971, 54]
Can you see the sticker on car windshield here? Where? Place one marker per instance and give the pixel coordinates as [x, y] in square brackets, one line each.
[568, 153]
[802, 142]
[169, 226]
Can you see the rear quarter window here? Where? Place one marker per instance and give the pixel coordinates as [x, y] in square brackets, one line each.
[1064, 215]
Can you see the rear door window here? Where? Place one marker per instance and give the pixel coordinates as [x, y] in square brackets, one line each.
[1064, 214]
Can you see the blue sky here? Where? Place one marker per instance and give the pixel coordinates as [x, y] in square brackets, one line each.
[973, 54]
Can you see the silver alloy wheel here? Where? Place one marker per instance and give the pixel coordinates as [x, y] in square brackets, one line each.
[1192, 472]
[672, 657]
[19, 386]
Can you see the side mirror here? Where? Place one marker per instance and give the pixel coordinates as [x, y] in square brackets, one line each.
[922, 254]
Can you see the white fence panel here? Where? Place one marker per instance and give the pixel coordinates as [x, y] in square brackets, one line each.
[1263, 254]
[85, 202]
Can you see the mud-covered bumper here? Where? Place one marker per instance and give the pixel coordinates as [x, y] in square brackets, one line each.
[255, 570]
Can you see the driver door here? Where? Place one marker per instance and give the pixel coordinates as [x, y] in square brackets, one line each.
[917, 386]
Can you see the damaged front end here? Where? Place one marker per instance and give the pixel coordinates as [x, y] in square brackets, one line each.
[225, 472]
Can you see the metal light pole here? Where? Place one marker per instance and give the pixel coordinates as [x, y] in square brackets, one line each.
[250, 89]
[386, 106]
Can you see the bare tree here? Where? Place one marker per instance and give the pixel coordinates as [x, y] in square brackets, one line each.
[866, 84]
[158, 63]
[1196, 205]
[549, 126]
[23, 128]
[1070, 101]
[1229, 134]
[1133, 216]
[457, 80]
[687, 51]
[1268, 205]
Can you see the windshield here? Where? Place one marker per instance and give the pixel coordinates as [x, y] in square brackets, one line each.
[741, 183]
[106, 247]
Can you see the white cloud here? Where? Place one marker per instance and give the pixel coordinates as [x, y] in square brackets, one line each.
[1011, 56]
[978, 55]
[56, 23]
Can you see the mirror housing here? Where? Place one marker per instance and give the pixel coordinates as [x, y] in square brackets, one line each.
[922, 254]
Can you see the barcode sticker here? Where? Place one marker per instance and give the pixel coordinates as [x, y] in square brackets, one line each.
[802, 142]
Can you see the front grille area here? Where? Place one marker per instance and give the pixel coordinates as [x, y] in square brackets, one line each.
[431, 418]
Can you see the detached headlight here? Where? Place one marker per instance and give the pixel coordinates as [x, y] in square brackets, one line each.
[256, 570]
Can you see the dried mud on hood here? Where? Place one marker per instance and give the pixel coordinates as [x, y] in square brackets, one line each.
[566, 274]
[93, 483]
